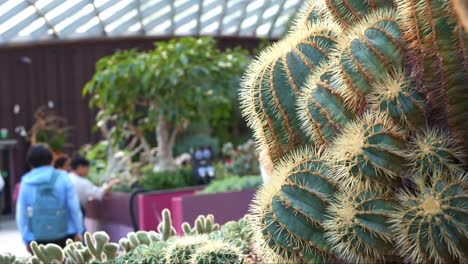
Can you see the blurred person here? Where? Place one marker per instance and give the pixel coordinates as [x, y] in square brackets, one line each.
[48, 209]
[85, 189]
[63, 163]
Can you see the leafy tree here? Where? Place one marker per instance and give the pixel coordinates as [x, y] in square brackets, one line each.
[179, 82]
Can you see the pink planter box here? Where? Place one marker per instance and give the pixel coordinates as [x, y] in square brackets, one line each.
[151, 204]
[228, 206]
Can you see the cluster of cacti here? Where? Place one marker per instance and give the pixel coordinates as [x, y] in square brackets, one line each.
[217, 252]
[50, 253]
[8, 258]
[202, 225]
[362, 109]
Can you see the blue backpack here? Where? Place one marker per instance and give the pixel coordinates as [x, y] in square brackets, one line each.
[47, 218]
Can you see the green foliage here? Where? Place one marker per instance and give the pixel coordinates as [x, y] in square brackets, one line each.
[166, 179]
[244, 158]
[232, 184]
[177, 80]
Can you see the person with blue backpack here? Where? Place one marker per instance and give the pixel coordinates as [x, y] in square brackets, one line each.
[48, 209]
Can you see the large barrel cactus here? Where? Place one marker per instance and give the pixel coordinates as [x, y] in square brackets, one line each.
[362, 108]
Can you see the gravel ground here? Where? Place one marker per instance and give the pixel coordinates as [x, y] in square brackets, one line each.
[10, 238]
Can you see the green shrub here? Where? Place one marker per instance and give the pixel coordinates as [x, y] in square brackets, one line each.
[233, 184]
[166, 179]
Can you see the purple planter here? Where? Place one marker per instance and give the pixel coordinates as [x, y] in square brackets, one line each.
[228, 206]
[151, 204]
[111, 215]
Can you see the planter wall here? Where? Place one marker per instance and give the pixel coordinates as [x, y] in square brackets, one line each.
[225, 207]
[112, 215]
[151, 204]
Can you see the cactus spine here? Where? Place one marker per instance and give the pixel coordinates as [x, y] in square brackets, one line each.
[369, 152]
[182, 249]
[358, 225]
[431, 225]
[273, 84]
[215, 252]
[290, 210]
[439, 53]
[433, 151]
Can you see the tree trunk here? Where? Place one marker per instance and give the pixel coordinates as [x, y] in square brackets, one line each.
[166, 140]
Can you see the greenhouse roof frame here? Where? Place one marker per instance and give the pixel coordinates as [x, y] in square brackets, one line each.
[38, 20]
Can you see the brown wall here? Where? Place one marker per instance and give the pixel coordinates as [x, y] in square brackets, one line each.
[58, 72]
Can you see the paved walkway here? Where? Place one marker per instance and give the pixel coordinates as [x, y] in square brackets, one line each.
[10, 238]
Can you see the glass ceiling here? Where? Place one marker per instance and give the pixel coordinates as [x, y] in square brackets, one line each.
[36, 20]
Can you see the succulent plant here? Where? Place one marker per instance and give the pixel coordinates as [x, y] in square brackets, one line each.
[395, 96]
[373, 110]
[76, 253]
[431, 225]
[181, 249]
[165, 228]
[215, 252]
[99, 246]
[203, 225]
[290, 210]
[7, 258]
[273, 84]
[438, 53]
[369, 152]
[358, 227]
[433, 151]
[49, 253]
[238, 233]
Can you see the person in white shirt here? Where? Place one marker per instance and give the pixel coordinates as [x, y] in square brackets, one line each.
[85, 189]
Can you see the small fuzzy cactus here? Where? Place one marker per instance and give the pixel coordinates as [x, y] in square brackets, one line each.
[274, 82]
[165, 228]
[134, 240]
[431, 226]
[369, 152]
[49, 253]
[238, 233]
[290, 210]
[181, 249]
[7, 258]
[216, 252]
[77, 253]
[202, 225]
[99, 246]
[358, 227]
[433, 151]
[394, 96]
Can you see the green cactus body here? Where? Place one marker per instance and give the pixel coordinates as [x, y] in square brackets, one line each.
[181, 249]
[439, 52]
[370, 49]
[312, 13]
[290, 210]
[369, 152]
[215, 252]
[49, 253]
[434, 151]
[96, 243]
[274, 82]
[348, 12]
[165, 228]
[7, 258]
[431, 226]
[321, 108]
[394, 96]
[358, 225]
